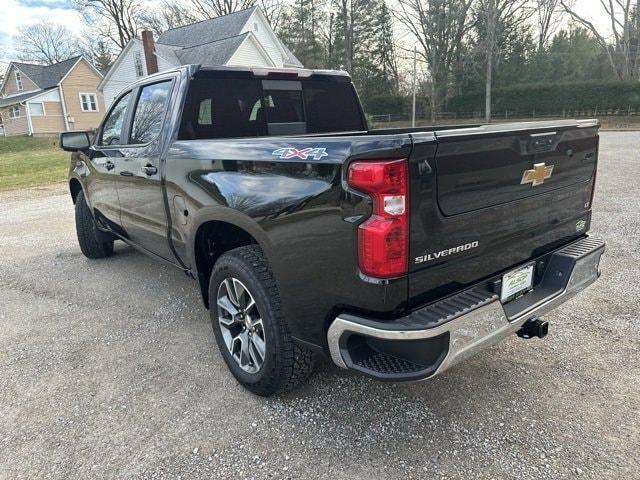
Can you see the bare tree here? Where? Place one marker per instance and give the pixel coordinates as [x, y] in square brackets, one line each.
[500, 18]
[117, 20]
[3, 70]
[439, 27]
[272, 10]
[624, 21]
[548, 19]
[176, 13]
[44, 43]
[215, 8]
[170, 14]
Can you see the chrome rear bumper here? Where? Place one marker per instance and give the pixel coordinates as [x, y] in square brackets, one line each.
[432, 339]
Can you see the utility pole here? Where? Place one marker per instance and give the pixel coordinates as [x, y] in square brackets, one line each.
[413, 107]
[491, 44]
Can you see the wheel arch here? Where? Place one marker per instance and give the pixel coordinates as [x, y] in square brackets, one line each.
[75, 187]
[214, 234]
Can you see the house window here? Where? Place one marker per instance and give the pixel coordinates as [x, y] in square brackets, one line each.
[36, 109]
[18, 81]
[137, 60]
[88, 102]
[255, 26]
[14, 112]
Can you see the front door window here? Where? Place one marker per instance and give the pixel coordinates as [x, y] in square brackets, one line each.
[112, 129]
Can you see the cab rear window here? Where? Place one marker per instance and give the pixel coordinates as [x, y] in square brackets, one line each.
[228, 108]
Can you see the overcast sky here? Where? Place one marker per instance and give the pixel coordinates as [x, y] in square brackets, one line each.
[17, 13]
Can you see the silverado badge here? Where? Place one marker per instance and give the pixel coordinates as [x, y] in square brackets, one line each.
[537, 175]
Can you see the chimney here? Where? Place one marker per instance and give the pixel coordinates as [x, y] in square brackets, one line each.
[149, 49]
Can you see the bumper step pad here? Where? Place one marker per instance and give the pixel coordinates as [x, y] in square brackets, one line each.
[387, 364]
[454, 306]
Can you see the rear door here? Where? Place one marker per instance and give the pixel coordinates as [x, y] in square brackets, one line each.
[143, 211]
[493, 197]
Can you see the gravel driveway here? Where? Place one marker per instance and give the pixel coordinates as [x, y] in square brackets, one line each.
[109, 370]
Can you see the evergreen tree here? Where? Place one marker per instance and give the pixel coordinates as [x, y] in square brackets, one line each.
[364, 46]
[301, 30]
[102, 58]
[384, 51]
[573, 54]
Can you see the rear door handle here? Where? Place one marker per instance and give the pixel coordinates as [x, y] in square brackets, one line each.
[150, 169]
[124, 173]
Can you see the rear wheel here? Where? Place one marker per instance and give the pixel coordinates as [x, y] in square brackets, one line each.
[92, 241]
[250, 330]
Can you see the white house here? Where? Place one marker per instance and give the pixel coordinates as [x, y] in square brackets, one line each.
[240, 38]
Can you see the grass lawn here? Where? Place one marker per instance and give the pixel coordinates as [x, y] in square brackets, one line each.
[31, 161]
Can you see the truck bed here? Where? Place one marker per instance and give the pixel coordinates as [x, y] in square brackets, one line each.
[465, 189]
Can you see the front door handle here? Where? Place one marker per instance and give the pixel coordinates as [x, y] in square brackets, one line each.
[124, 173]
[109, 165]
[150, 169]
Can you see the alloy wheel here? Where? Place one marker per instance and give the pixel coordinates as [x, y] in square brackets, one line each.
[241, 325]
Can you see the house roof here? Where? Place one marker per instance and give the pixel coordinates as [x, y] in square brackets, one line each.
[211, 54]
[221, 32]
[291, 60]
[12, 100]
[207, 31]
[169, 53]
[47, 76]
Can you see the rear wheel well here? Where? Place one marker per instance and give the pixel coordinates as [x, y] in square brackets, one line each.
[212, 240]
[75, 188]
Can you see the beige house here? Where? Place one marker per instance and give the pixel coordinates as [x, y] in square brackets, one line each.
[49, 99]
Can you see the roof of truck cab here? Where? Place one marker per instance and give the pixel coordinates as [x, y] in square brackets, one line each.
[257, 72]
[265, 71]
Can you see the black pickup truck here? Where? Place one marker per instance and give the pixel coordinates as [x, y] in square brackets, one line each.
[396, 253]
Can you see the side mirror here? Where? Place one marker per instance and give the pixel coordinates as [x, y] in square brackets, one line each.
[74, 141]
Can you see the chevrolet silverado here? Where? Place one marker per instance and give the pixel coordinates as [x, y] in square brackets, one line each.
[396, 253]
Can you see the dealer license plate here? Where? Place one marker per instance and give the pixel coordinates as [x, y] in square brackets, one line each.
[516, 282]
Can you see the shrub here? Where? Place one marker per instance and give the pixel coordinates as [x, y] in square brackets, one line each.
[554, 98]
[382, 104]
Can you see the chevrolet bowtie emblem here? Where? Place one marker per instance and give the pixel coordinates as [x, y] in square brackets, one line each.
[537, 175]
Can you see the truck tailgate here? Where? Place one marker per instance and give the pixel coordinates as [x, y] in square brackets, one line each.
[495, 196]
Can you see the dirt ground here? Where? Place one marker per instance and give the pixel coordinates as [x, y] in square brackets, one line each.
[109, 370]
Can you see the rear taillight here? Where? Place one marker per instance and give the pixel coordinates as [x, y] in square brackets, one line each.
[383, 239]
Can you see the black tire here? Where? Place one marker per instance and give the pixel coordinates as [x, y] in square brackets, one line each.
[286, 364]
[91, 240]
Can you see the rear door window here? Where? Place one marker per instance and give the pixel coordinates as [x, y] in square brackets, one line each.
[222, 108]
[331, 107]
[226, 108]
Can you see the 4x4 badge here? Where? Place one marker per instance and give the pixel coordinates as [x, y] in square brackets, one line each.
[537, 175]
[286, 153]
